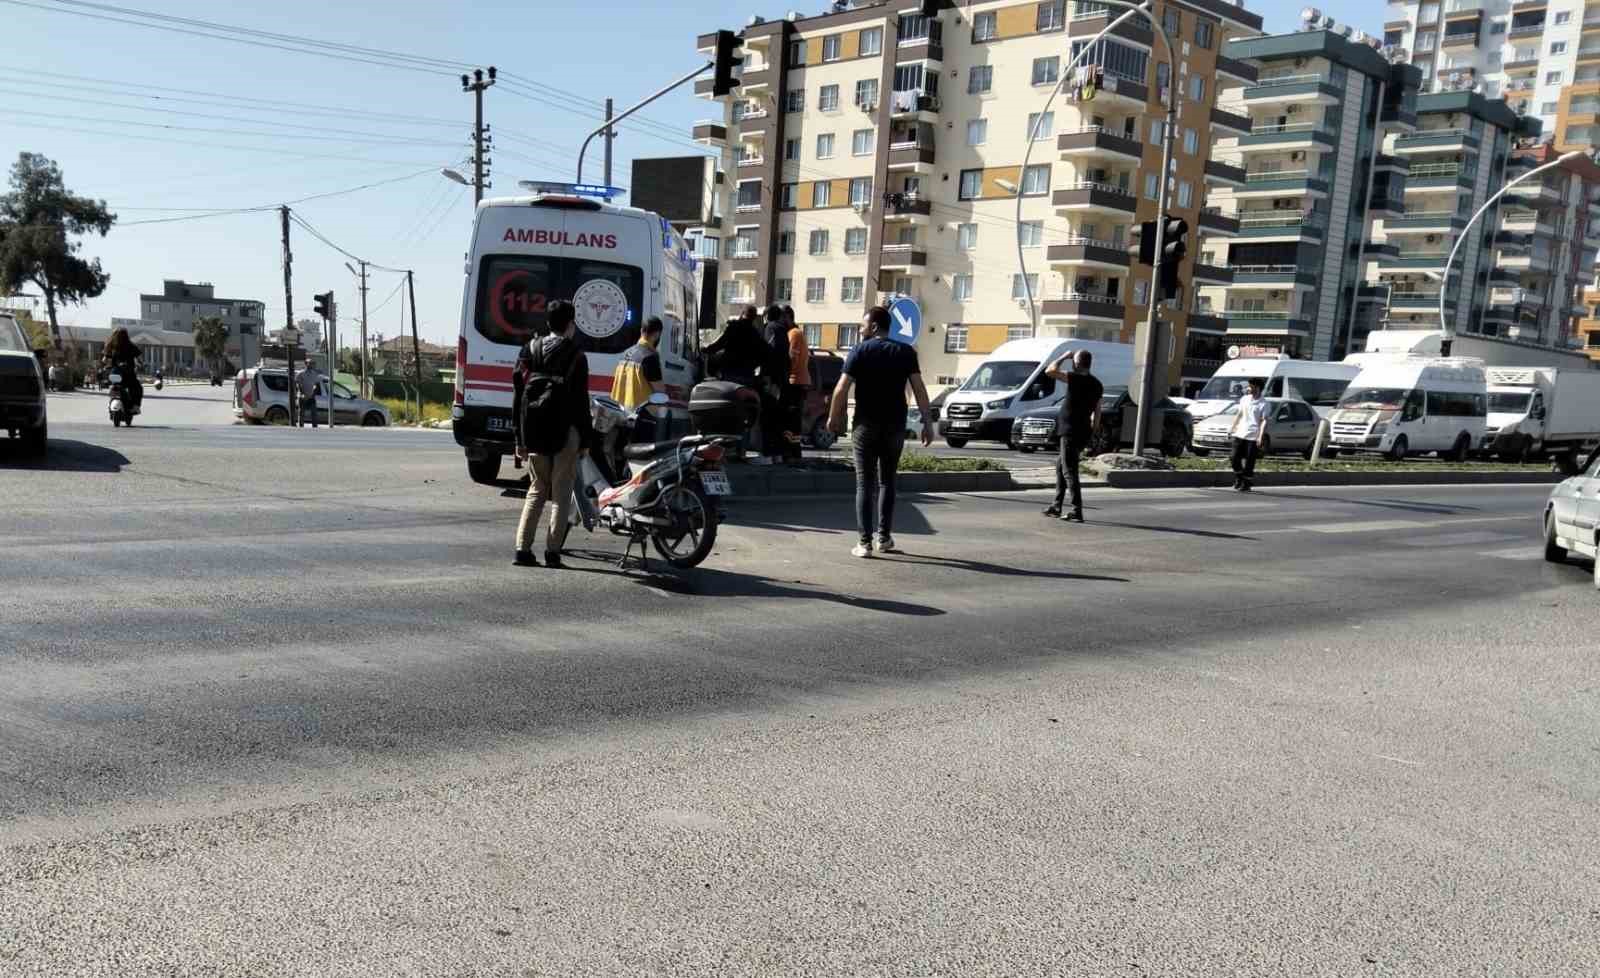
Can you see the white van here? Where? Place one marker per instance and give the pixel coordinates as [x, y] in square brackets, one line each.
[1401, 406]
[1317, 382]
[617, 265]
[1010, 383]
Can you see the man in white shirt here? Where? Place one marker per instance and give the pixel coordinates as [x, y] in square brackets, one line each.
[1249, 427]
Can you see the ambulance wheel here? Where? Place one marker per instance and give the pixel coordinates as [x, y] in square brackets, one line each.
[484, 471]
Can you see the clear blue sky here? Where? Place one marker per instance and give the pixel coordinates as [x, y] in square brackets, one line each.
[239, 153]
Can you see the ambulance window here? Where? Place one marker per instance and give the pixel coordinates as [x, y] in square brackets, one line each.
[512, 293]
[630, 280]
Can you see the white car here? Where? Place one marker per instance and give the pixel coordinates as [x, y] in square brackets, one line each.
[22, 397]
[1572, 518]
[261, 396]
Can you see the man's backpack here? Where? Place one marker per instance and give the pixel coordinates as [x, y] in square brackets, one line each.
[546, 401]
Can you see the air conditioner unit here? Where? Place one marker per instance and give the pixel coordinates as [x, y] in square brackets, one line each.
[1277, 294]
[1297, 156]
[860, 206]
[1293, 110]
[1432, 238]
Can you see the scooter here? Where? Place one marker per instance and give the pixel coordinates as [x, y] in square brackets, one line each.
[120, 409]
[671, 501]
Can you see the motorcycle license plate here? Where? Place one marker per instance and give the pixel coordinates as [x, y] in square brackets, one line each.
[716, 483]
[499, 424]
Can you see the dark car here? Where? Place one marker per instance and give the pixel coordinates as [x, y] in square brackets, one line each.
[1037, 429]
[825, 370]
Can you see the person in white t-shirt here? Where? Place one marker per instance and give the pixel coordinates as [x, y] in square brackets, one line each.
[1249, 427]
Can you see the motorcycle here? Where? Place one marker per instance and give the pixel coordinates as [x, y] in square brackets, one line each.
[120, 409]
[671, 501]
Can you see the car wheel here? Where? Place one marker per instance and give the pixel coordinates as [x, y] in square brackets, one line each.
[1397, 451]
[1172, 445]
[1026, 449]
[1554, 552]
[1463, 445]
[484, 471]
[956, 442]
[821, 437]
[276, 414]
[373, 419]
[35, 441]
[1201, 452]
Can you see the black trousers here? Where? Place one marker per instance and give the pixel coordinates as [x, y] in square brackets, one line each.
[794, 410]
[1244, 460]
[1067, 471]
[877, 449]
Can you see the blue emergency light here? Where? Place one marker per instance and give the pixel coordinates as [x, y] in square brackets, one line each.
[596, 190]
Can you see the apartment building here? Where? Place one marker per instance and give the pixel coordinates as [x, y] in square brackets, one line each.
[1295, 232]
[878, 150]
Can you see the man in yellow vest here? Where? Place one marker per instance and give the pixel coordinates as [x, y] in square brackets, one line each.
[639, 375]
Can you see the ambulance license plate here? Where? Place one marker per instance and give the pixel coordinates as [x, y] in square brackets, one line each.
[499, 424]
[716, 483]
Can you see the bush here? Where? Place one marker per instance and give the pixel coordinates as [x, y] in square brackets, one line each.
[914, 461]
[402, 414]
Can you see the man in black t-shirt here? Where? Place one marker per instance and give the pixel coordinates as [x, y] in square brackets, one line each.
[879, 368]
[1075, 426]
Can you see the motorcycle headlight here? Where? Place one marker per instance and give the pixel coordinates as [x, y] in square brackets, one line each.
[998, 405]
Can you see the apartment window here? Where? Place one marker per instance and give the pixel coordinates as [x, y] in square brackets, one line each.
[795, 100]
[984, 26]
[1041, 127]
[1497, 27]
[816, 289]
[1185, 193]
[1197, 87]
[1020, 291]
[730, 293]
[797, 52]
[1155, 132]
[849, 335]
[708, 246]
[955, 337]
[1052, 16]
[977, 132]
[861, 192]
[871, 42]
[1030, 234]
[155, 308]
[980, 78]
[861, 142]
[1564, 17]
[971, 187]
[867, 93]
[1548, 108]
[749, 194]
[852, 289]
[828, 98]
[1191, 141]
[819, 243]
[961, 287]
[966, 237]
[1205, 33]
[1552, 78]
[855, 241]
[1172, 21]
[1429, 14]
[813, 334]
[1152, 185]
[783, 290]
[830, 47]
[825, 146]
[787, 196]
[1558, 47]
[791, 149]
[1046, 70]
[785, 242]
[1427, 40]
[1036, 180]
[1141, 293]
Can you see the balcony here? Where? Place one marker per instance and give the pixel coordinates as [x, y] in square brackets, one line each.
[1230, 123]
[1095, 198]
[747, 205]
[702, 88]
[1120, 91]
[1534, 194]
[747, 262]
[1413, 261]
[1093, 142]
[1216, 223]
[1393, 164]
[1425, 222]
[903, 258]
[1082, 305]
[1219, 174]
[710, 134]
[1206, 321]
[1528, 65]
[1085, 25]
[756, 79]
[1589, 54]
[1283, 89]
[905, 207]
[1417, 302]
[1436, 141]
[1293, 136]
[1439, 176]
[914, 156]
[1237, 70]
[1262, 323]
[1274, 277]
[750, 161]
[1080, 252]
[1205, 274]
[928, 45]
[1280, 226]
[1282, 183]
[1458, 40]
[914, 104]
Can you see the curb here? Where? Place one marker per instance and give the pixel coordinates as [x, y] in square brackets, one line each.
[779, 483]
[1134, 479]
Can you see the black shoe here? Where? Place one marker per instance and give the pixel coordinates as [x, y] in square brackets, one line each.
[525, 558]
[1054, 512]
[1244, 487]
[1076, 516]
[553, 559]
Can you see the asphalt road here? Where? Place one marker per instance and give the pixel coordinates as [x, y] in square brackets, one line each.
[274, 702]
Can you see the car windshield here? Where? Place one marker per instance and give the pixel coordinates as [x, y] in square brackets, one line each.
[1000, 375]
[1509, 403]
[1227, 388]
[11, 338]
[1373, 398]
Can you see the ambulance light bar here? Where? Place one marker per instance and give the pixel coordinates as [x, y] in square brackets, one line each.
[596, 190]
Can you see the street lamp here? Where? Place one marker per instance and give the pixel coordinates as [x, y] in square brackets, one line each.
[455, 177]
[1444, 288]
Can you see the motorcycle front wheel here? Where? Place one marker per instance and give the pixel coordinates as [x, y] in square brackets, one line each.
[694, 530]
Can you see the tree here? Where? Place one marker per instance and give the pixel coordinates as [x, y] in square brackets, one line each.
[211, 339]
[38, 220]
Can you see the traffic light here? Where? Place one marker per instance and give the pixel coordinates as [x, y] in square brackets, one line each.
[1174, 247]
[1143, 246]
[325, 305]
[729, 47]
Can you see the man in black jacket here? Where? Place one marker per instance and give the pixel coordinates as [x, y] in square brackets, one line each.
[552, 474]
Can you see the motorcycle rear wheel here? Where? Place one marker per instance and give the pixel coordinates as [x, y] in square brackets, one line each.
[690, 508]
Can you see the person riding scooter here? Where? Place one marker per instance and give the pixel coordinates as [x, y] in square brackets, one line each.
[123, 357]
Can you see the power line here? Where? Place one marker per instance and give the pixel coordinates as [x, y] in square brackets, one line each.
[356, 138]
[268, 207]
[258, 150]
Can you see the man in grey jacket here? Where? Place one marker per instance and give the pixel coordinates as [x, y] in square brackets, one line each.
[308, 380]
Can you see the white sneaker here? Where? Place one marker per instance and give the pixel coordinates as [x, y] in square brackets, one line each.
[886, 545]
[862, 550]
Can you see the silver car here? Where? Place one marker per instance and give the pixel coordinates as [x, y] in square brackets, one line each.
[1572, 518]
[261, 396]
[1291, 427]
[22, 397]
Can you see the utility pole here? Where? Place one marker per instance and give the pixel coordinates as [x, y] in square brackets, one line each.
[477, 84]
[331, 338]
[611, 135]
[288, 312]
[365, 391]
[416, 348]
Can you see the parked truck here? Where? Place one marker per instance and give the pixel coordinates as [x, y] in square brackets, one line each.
[1537, 411]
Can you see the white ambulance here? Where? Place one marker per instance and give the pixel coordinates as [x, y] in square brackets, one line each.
[617, 265]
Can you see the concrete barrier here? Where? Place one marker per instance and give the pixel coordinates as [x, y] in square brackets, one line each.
[784, 482]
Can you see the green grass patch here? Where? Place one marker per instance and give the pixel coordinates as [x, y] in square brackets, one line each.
[1358, 463]
[913, 461]
[404, 414]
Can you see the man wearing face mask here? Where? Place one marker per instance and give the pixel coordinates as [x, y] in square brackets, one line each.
[1075, 427]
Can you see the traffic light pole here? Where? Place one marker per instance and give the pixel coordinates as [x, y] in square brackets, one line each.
[1152, 331]
[609, 123]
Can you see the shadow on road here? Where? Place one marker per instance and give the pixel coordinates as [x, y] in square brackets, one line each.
[62, 456]
[1403, 505]
[706, 582]
[1000, 570]
[1181, 530]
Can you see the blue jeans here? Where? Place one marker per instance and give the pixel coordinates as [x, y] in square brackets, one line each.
[877, 449]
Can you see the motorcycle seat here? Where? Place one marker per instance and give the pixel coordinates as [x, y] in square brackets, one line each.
[645, 450]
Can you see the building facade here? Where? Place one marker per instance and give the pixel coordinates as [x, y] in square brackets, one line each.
[880, 150]
[181, 303]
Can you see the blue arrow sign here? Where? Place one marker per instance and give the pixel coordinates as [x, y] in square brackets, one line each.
[905, 321]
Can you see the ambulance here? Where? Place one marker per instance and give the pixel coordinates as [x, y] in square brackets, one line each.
[618, 266]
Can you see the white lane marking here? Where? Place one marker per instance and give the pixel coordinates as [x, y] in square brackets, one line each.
[1371, 526]
[1231, 506]
[1459, 539]
[1381, 525]
[1398, 760]
[1513, 553]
